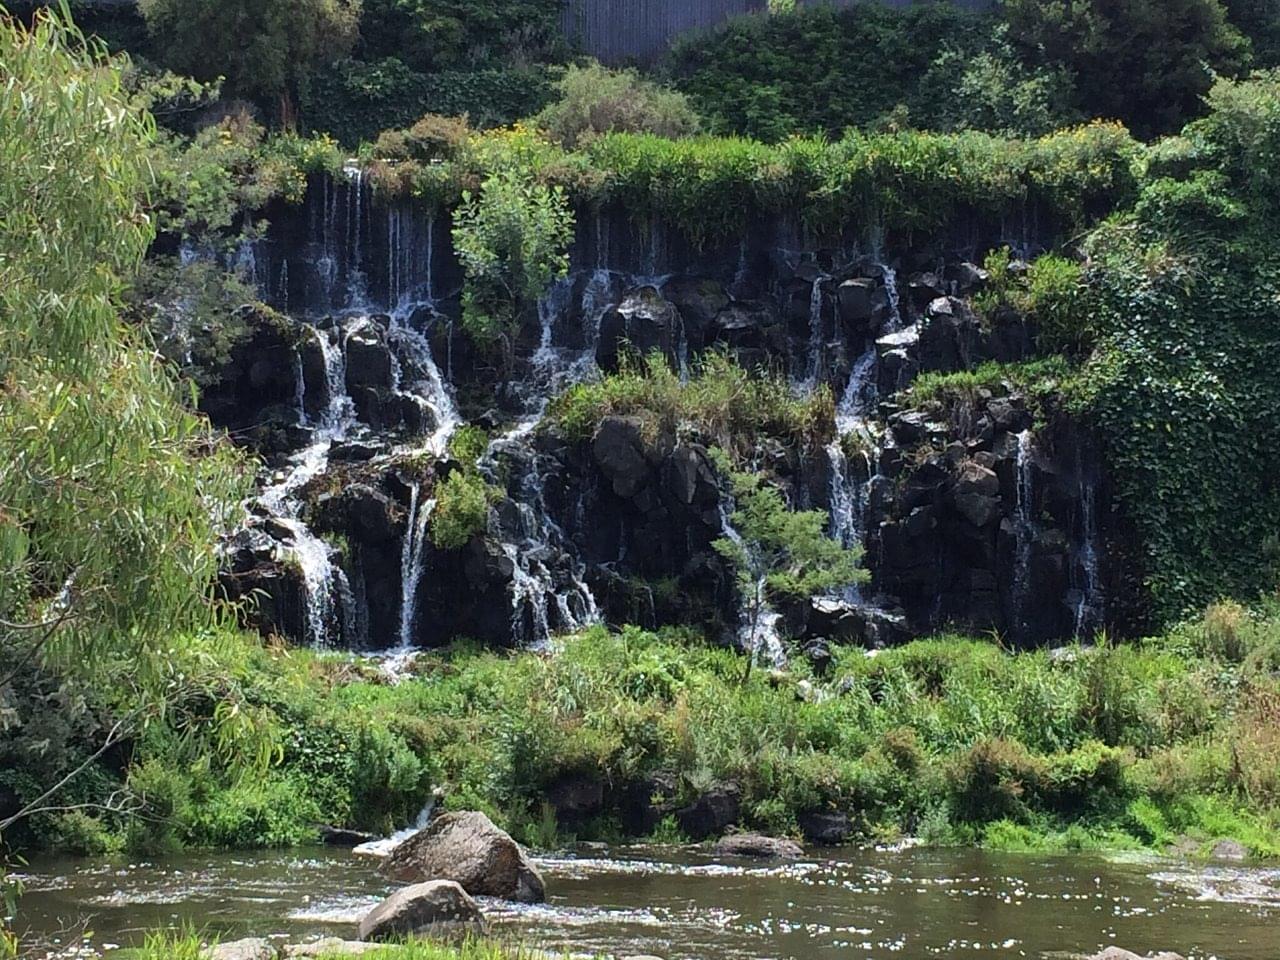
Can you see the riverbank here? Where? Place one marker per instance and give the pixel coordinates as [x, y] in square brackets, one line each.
[1167, 743]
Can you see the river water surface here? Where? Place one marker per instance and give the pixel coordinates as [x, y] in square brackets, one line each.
[676, 903]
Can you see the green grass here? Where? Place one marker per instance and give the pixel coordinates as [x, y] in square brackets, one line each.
[956, 740]
[729, 405]
[190, 946]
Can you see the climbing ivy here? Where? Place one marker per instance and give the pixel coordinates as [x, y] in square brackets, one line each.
[1182, 385]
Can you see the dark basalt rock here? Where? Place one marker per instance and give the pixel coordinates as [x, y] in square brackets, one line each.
[825, 828]
[576, 798]
[644, 322]
[368, 357]
[712, 813]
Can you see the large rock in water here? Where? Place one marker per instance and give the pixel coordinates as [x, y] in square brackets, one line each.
[468, 849]
[758, 846]
[436, 908]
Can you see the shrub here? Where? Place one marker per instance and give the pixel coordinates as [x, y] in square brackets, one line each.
[995, 780]
[1047, 292]
[512, 239]
[462, 510]
[355, 100]
[821, 70]
[1139, 61]
[595, 100]
[1225, 628]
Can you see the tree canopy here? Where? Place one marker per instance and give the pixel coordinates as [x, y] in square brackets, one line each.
[263, 49]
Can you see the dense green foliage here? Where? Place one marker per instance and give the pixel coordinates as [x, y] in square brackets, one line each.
[822, 69]
[1182, 294]
[212, 188]
[1026, 67]
[949, 739]
[1144, 62]
[356, 100]
[431, 35]
[263, 49]
[901, 182]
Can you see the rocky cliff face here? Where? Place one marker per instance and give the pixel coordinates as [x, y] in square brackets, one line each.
[987, 510]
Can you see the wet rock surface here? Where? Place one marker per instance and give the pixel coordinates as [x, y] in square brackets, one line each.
[468, 849]
[966, 504]
[437, 908]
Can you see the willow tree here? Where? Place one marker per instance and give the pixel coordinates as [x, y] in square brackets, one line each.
[111, 491]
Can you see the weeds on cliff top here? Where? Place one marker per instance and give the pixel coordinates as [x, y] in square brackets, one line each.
[1038, 378]
[731, 406]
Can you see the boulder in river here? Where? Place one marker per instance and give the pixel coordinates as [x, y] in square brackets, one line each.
[1119, 953]
[467, 848]
[758, 846]
[435, 908]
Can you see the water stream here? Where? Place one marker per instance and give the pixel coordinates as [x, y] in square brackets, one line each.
[680, 904]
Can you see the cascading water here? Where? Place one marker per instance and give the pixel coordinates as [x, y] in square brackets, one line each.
[412, 554]
[326, 589]
[1090, 610]
[1024, 524]
[816, 332]
[849, 489]
[357, 288]
[758, 633]
[530, 543]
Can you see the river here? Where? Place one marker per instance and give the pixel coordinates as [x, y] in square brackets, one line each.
[679, 903]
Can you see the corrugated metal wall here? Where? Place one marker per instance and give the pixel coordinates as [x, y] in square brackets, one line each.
[617, 30]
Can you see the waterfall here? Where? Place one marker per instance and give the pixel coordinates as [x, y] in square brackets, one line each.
[421, 380]
[340, 410]
[311, 556]
[381, 848]
[299, 387]
[816, 332]
[322, 580]
[357, 291]
[1090, 611]
[760, 638]
[530, 543]
[859, 395]
[411, 561]
[895, 299]
[1024, 524]
[395, 265]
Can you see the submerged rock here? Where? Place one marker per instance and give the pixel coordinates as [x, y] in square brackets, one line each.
[435, 908]
[758, 845]
[468, 849]
[1119, 953]
[342, 837]
[329, 947]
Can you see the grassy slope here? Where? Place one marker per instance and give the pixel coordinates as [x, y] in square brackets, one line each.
[952, 740]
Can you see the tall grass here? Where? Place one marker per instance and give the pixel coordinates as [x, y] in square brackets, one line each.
[731, 406]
